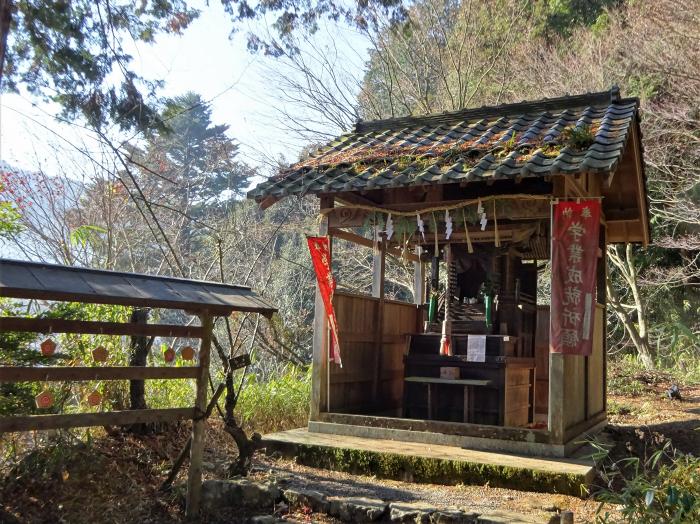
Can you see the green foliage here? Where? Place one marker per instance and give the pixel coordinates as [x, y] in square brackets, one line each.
[86, 235]
[646, 86]
[193, 158]
[280, 403]
[15, 350]
[397, 466]
[561, 17]
[664, 488]
[9, 219]
[72, 53]
[9, 214]
[19, 349]
[580, 138]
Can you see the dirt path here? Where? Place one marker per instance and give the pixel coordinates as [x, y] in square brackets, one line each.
[116, 479]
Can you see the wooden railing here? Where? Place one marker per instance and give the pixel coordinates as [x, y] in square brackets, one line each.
[196, 413]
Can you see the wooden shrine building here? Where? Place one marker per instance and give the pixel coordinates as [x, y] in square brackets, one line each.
[467, 196]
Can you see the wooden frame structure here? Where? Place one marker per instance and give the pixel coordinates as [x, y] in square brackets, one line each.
[28, 280]
[404, 166]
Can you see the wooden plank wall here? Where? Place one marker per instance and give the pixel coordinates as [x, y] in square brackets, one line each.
[585, 379]
[351, 385]
[399, 321]
[574, 390]
[596, 365]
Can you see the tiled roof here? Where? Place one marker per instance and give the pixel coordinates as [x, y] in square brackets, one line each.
[567, 135]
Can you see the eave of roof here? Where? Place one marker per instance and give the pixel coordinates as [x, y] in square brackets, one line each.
[510, 141]
[27, 280]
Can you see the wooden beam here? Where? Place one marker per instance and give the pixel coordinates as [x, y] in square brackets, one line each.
[109, 418]
[366, 242]
[61, 374]
[519, 209]
[506, 233]
[194, 477]
[641, 186]
[56, 325]
[268, 201]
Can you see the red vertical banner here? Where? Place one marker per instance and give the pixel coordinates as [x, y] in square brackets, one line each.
[321, 258]
[575, 233]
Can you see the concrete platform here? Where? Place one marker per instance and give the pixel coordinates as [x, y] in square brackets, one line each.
[428, 463]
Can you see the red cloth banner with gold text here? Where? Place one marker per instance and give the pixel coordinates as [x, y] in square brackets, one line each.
[575, 231]
[321, 258]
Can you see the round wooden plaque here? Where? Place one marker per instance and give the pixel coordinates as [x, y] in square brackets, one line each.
[169, 354]
[95, 398]
[187, 353]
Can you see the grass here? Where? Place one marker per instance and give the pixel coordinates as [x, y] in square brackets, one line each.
[278, 404]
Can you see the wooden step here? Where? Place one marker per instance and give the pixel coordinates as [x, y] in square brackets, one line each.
[435, 464]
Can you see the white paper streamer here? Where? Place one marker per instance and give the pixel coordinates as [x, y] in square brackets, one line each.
[389, 227]
[482, 214]
[421, 225]
[448, 225]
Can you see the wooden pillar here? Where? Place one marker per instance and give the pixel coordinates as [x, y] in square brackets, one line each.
[602, 298]
[555, 421]
[378, 271]
[319, 366]
[194, 479]
[418, 279]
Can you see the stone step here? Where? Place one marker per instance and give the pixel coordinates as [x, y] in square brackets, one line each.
[436, 464]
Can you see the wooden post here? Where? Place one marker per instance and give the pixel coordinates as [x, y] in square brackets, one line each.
[418, 279]
[194, 479]
[602, 298]
[319, 365]
[555, 420]
[378, 270]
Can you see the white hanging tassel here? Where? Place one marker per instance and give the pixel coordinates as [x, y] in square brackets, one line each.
[389, 227]
[480, 211]
[421, 225]
[448, 225]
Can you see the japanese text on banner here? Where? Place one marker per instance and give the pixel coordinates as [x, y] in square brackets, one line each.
[575, 231]
[321, 258]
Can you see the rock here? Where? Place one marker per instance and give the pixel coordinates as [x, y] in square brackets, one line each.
[239, 492]
[417, 512]
[358, 509]
[307, 498]
[505, 517]
[265, 519]
[452, 516]
[208, 466]
[674, 393]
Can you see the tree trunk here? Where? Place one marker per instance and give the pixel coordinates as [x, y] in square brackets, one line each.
[140, 347]
[635, 325]
[6, 9]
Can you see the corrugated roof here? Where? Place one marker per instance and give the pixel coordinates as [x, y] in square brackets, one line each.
[22, 279]
[567, 135]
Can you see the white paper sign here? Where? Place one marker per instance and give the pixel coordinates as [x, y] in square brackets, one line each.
[476, 348]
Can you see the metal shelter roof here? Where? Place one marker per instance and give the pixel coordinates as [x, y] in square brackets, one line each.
[22, 279]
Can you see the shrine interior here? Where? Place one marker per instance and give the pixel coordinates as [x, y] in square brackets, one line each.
[492, 366]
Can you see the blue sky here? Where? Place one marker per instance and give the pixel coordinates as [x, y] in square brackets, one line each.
[242, 88]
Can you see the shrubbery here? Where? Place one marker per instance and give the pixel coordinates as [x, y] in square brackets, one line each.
[665, 488]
